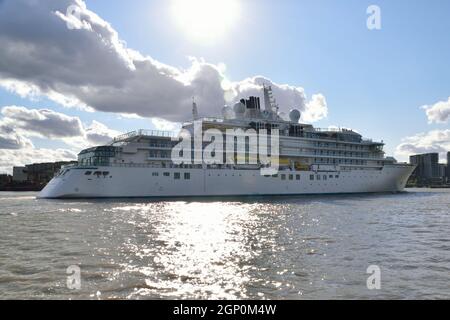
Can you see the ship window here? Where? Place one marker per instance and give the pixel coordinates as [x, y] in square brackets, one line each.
[297, 177]
[311, 177]
[187, 176]
[291, 177]
[155, 174]
[283, 177]
[324, 177]
[331, 176]
[97, 173]
[275, 176]
[336, 176]
[166, 174]
[177, 176]
[105, 173]
[318, 177]
[88, 173]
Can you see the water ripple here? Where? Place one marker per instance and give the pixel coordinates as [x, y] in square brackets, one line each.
[274, 248]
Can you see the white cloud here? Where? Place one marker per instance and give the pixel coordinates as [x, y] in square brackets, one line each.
[91, 67]
[433, 141]
[42, 123]
[287, 97]
[129, 116]
[164, 125]
[438, 112]
[19, 123]
[316, 109]
[11, 140]
[97, 133]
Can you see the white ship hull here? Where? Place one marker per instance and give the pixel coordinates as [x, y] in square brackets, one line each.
[125, 182]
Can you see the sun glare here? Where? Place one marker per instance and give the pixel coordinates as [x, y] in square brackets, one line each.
[205, 20]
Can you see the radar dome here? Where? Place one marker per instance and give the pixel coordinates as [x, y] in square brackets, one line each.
[239, 108]
[227, 113]
[295, 115]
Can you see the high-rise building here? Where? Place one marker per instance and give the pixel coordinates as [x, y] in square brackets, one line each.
[427, 166]
[448, 166]
[442, 170]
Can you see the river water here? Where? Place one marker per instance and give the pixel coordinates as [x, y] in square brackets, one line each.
[307, 247]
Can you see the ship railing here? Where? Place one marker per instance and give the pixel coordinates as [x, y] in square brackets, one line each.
[211, 119]
[157, 133]
[343, 130]
[327, 129]
[338, 167]
[68, 166]
[121, 165]
[370, 141]
[145, 132]
[139, 165]
[348, 131]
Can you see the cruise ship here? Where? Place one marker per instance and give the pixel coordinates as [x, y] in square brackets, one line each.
[309, 160]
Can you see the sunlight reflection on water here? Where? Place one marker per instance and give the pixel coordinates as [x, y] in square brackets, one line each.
[202, 248]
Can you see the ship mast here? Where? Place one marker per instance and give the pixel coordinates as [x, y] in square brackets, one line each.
[270, 104]
[194, 109]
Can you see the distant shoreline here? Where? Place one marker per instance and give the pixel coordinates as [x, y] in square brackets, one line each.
[20, 189]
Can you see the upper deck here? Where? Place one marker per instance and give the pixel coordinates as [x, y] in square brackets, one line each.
[130, 136]
[247, 114]
[299, 141]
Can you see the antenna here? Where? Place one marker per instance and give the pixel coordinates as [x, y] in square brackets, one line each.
[267, 104]
[270, 104]
[194, 109]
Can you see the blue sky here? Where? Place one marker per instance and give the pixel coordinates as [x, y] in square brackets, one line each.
[373, 81]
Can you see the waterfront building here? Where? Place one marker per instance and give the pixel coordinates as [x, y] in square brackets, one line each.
[20, 174]
[42, 173]
[448, 166]
[427, 166]
[5, 180]
[442, 170]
